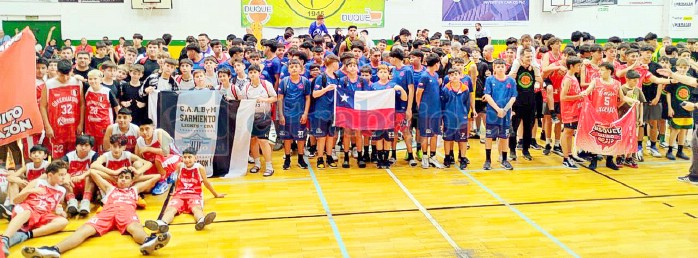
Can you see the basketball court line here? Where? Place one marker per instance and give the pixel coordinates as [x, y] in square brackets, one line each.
[328, 213]
[517, 212]
[458, 250]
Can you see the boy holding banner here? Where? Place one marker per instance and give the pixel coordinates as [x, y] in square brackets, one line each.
[631, 90]
[571, 96]
[385, 138]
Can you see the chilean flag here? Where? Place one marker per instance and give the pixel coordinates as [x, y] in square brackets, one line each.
[365, 110]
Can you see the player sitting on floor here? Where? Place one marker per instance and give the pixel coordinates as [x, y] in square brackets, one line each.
[157, 147]
[119, 213]
[78, 184]
[21, 178]
[39, 211]
[188, 196]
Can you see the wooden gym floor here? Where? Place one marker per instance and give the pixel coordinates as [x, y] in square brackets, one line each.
[539, 209]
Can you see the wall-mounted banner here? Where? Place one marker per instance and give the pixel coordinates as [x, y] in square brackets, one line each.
[300, 13]
[486, 12]
[682, 15]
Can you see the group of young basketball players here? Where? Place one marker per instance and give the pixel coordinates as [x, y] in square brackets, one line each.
[102, 141]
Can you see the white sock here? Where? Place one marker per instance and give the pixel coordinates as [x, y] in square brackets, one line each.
[269, 166]
[557, 142]
[7, 201]
[547, 141]
[257, 162]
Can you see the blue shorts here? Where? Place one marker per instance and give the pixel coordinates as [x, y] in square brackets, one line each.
[497, 131]
[456, 134]
[293, 130]
[387, 135]
[321, 128]
[429, 126]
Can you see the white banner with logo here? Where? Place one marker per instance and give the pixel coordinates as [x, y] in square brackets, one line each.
[682, 15]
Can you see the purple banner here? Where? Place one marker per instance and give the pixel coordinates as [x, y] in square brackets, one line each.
[487, 12]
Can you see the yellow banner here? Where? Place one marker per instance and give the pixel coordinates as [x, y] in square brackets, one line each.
[301, 13]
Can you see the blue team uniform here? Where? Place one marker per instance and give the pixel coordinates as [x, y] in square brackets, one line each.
[416, 75]
[294, 106]
[456, 100]
[403, 77]
[466, 79]
[501, 92]
[273, 68]
[322, 110]
[430, 105]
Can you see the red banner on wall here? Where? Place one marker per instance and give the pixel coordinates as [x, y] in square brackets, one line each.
[616, 138]
[19, 113]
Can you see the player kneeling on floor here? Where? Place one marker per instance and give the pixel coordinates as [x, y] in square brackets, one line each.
[38, 211]
[188, 196]
[119, 213]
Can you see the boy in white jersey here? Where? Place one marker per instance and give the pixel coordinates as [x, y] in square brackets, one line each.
[188, 195]
[21, 178]
[119, 213]
[39, 211]
[123, 126]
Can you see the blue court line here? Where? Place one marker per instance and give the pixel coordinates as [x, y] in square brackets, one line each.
[325, 206]
[521, 215]
[459, 251]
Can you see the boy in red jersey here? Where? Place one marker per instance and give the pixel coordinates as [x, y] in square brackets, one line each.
[78, 181]
[123, 126]
[21, 178]
[39, 211]
[62, 110]
[188, 196]
[111, 163]
[98, 104]
[119, 213]
[571, 97]
[157, 147]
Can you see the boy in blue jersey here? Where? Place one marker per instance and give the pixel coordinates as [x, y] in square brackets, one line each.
[294, 105]
[416, 60]
[353, 82]
[272, 63]
[321, 116]
[384, 138]
[403, 75]
[457, 100]
[429, 105]
[500, 95]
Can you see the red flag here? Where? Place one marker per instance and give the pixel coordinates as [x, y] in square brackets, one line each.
[618, 137]
[19, 113]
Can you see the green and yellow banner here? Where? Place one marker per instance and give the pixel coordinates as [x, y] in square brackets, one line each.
[300, 13]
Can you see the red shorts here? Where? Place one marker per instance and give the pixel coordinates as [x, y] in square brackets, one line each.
[184, 203]
[400, 122]
[169, 163]
[106, 221]
[58, 150]
[36, 219]
[366, 133]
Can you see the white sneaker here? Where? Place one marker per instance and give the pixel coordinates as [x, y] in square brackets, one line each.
[655, 153]
[157, 226]
[154, 243]
[84, 207]
[640, 156]
[433, 161]
[72, 207]
[425, 162]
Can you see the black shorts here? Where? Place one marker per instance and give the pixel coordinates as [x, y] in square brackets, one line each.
[546, 110]
[572, 125]
[480, 106]
[538, 108]
[261, 126]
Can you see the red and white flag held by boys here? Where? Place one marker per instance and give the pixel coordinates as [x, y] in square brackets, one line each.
[365, 110]
[618, 137]
[19, 113]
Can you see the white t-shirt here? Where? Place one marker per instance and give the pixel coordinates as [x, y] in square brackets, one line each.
[261, 91]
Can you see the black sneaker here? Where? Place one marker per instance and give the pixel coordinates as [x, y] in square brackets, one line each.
[374, 157]
[506, 165]
[467, 161]
[619, 162]
[367, 157]
[547, 150]
[534, 145]
[557, 149]
[688, 179]
[519, 146]
[512, 156]
[593, 164]
[302, 164]
[569, 164]
[463, 165]
[610, 164]
[320, 164]
[447, 161]
[287, 163]
[361, 162]
[6, 211]
[345, 164]
[487, 165]
[331, 162]
[578, 160]
[527, 156]
[682, 156]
